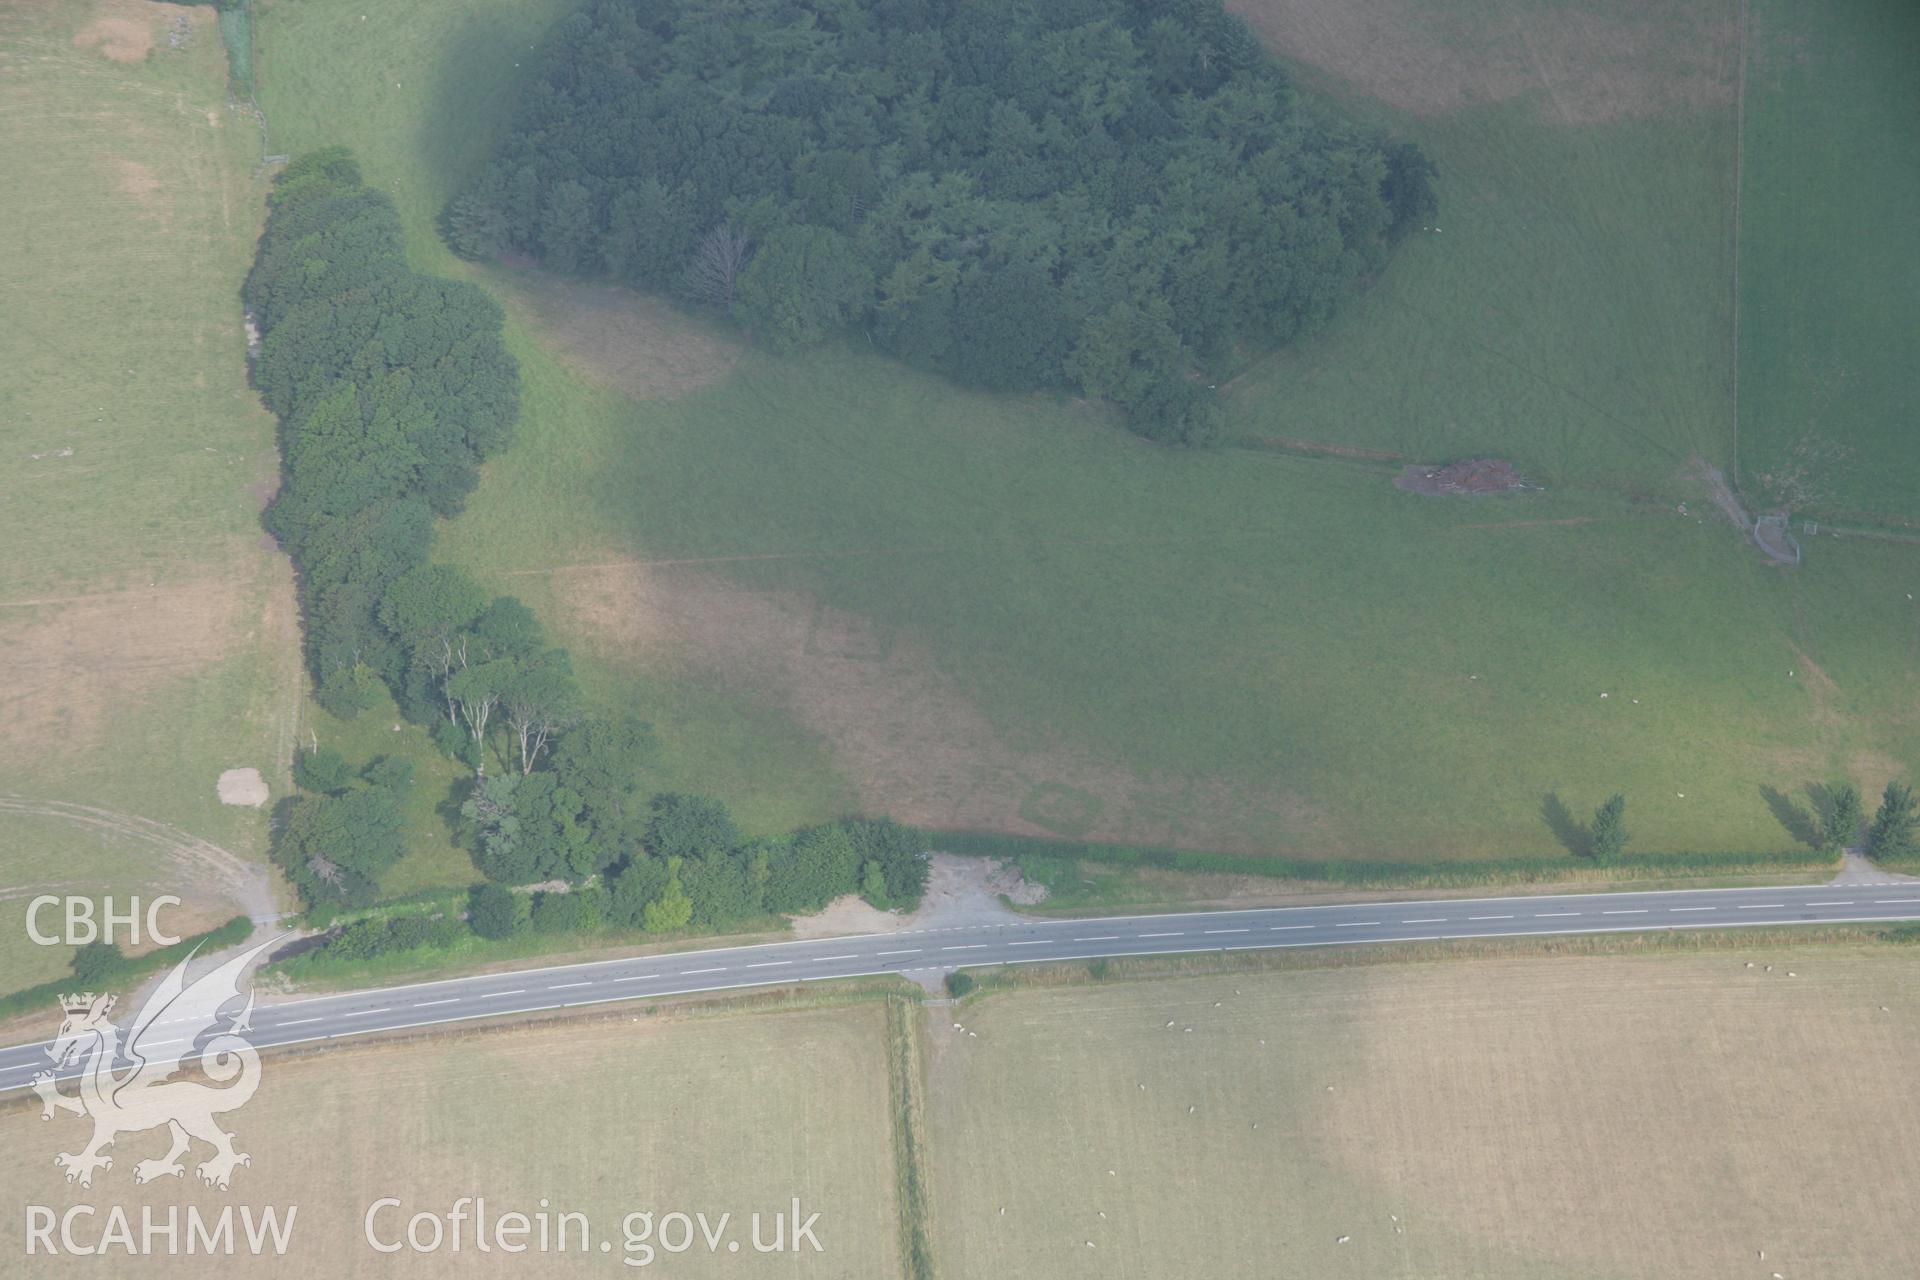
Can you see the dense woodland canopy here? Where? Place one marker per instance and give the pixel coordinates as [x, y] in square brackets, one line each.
[1111, 195]
[391, 388]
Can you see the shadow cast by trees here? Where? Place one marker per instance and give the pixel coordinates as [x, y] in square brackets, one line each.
[447, 808]
[1573, 834]
[1821, 797]
[1804, 825]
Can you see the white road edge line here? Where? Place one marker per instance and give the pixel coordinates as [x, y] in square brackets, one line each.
[1275, 946]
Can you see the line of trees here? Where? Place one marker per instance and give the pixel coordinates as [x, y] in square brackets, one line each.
[1108, 195]
[391, 388]
[1894, 834]
[690, 868]
[344, 828]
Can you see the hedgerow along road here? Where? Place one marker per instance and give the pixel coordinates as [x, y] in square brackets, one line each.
[451, 1001]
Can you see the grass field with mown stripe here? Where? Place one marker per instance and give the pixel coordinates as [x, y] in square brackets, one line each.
[1829, 280]
[148, 636]
[831, 582]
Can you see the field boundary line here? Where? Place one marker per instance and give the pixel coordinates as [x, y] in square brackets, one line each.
[1739, 179]
[905, 1084]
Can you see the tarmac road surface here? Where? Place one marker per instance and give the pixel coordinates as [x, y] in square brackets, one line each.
[452, 1000]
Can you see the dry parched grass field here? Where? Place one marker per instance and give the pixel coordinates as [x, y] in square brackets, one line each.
[688, 1113]
[148, 640]
[1665, 1116]
[1736, 1113]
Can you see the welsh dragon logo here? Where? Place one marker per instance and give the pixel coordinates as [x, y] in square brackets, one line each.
[126, 1089]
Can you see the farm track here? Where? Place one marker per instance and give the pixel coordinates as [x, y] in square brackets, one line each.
[202, 862]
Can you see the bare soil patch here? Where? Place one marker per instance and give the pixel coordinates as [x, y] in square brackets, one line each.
[244, 787]
[845, 915]
[1582, 64]
[120, 39]
[960, 892]
[1475, 476]
[72, 662]
[626, 340]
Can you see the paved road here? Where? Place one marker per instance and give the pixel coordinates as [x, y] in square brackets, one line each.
[452, 1000]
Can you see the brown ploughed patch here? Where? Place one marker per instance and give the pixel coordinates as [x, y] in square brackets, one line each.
[74, 663]
[1476, 475]
[120, 39]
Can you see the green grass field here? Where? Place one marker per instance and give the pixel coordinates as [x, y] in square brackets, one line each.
[832, 582]
[1665, 1115]
[147, 635]
[1829, 280]
[1573, 310]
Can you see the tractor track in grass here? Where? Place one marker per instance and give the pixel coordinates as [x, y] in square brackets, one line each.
[200, 862]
